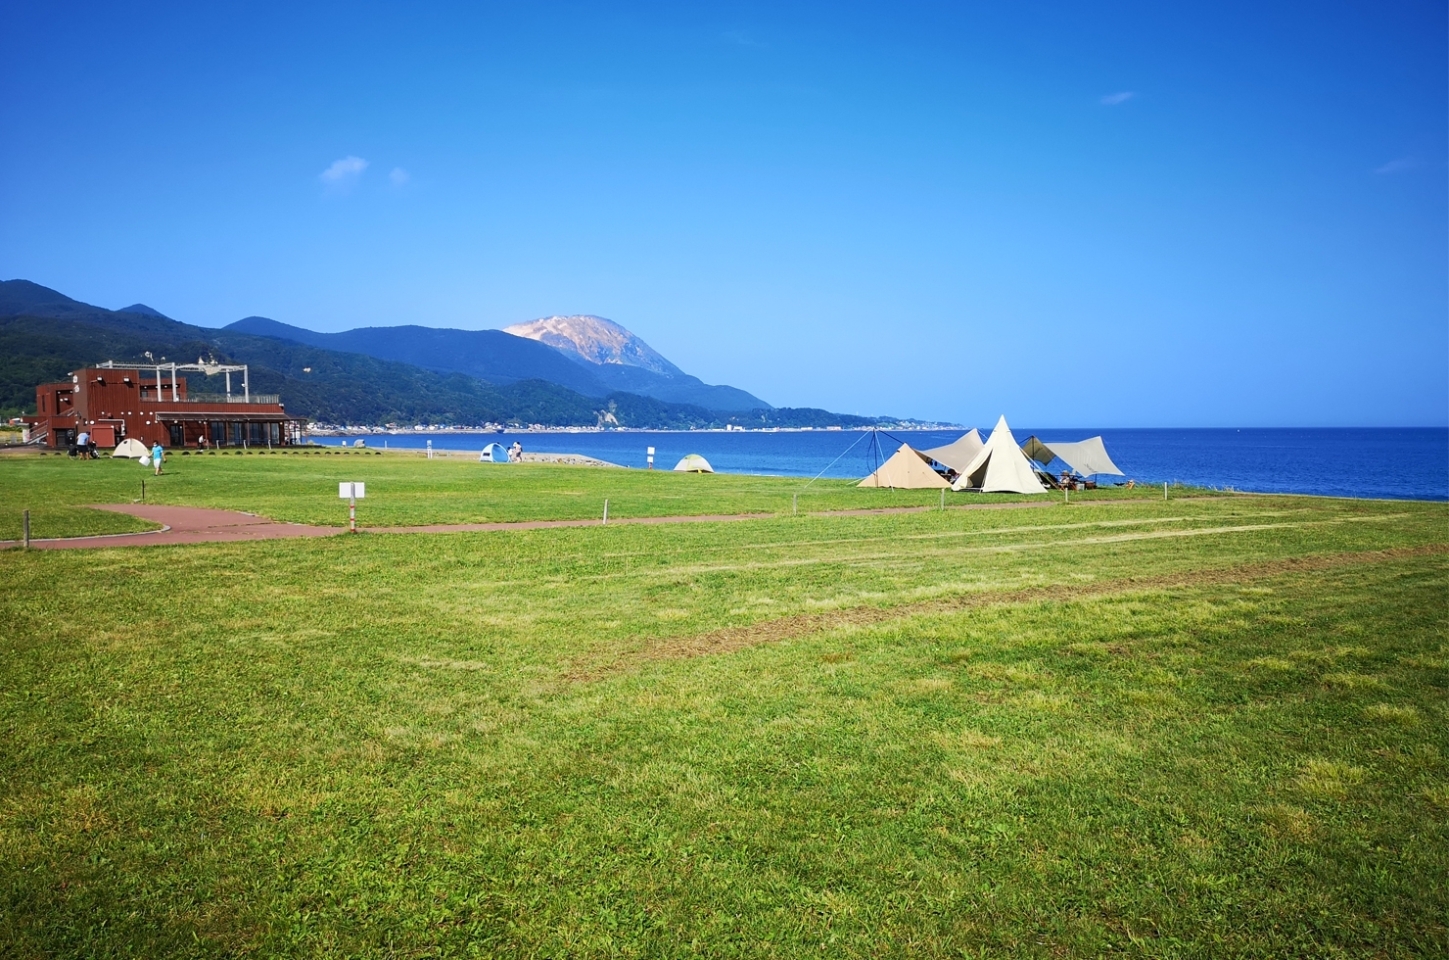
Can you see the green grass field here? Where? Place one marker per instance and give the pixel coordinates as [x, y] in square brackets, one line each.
[1196, 728]
[408, 489]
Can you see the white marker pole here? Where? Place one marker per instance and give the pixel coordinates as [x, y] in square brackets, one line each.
[795, 506]
[606, 511]
[649, 455]
[352, 492]
[1164, 489]
[943, 499]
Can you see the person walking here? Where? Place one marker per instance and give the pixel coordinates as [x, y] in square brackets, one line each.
[156, 454]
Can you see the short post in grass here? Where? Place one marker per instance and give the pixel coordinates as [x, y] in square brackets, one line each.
[1164, 489]
[606, 511]
[795, 505]
[943, 499]
[351, 491]
[143, 489]
[25, 526]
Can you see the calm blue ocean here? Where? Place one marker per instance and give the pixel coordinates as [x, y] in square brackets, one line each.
[1401, 463]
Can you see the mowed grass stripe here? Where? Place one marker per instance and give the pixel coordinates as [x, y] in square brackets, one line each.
[788, 628]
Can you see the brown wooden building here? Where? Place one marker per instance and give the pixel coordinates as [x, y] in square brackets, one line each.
[153, 404]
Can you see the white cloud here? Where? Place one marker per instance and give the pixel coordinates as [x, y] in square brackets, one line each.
[399, 177]
[344, 173]
[1117, 99]
[1398, 166]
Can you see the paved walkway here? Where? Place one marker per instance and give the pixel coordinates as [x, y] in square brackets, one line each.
[207, 525]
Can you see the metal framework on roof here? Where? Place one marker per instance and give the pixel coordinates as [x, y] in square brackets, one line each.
[210, 369]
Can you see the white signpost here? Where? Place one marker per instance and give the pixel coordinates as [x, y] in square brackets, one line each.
[352, 491]
[651, 457]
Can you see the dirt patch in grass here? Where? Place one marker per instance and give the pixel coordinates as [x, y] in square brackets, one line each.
[730, 639]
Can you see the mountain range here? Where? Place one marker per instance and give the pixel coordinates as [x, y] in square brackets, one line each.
[558, 371]
[564, 354]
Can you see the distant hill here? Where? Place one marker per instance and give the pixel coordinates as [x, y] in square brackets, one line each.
[490, 355]
[595, 340]
[623, 361]
[590, 355]
[44, 335]
[144, 310]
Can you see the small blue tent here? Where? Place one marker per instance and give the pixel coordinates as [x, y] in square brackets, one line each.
[493, 453]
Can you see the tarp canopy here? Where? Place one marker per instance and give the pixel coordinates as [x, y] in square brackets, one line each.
[693, 463]
[1038, 451]
[1086, 457]
[1000, 467]
[960, 452]
[131, 448]
[493, 453]
[906, 469]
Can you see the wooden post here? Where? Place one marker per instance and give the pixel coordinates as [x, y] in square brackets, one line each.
[143, 489]
[25, 524]
[606, 511]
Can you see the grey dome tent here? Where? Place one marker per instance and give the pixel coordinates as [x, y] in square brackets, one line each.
[493, 453]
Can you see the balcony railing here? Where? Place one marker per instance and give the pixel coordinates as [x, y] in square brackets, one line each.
[165, 397]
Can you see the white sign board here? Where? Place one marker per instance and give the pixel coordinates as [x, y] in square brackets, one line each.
[351, 490]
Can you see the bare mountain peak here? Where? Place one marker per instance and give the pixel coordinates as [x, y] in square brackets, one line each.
[594, 340]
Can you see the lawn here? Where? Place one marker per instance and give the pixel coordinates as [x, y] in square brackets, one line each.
[1196, 728]
[408, 489]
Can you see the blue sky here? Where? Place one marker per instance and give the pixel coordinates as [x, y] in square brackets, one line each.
[1115, 214]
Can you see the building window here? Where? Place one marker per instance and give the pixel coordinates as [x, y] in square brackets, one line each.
[235, 429]
[217, 430]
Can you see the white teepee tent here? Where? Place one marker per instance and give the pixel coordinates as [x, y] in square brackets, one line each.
[1000, 467]
[906, 469]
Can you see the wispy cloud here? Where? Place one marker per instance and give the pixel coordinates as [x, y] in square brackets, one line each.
[1117, 99]
[741, 39]
[343, 174]
[399, 177]
[1398, 166]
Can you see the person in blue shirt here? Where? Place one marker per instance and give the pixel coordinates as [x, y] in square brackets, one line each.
[156, 454]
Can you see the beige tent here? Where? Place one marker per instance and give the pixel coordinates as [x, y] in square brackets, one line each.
[960, 452]
[693, 463]
[907, 469]
[131, 448]
[1000, 467]
[1087, 457]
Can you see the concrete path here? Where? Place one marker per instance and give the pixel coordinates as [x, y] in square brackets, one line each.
[207, 525]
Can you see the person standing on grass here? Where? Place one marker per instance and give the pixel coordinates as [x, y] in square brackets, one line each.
[156, 454]
[81, 443]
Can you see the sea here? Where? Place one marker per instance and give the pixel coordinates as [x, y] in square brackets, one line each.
[1382, 463]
